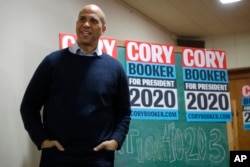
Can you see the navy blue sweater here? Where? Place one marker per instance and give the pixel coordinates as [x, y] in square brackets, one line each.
[85, 101]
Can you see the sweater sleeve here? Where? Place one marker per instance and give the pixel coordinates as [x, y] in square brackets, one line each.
[123, 110]
[32, 102]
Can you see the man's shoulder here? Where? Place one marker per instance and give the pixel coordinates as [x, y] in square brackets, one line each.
[55, 57]
[111, 59]
[59, 52]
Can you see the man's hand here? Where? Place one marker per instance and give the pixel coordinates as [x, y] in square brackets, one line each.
[110, 145]
[52, 143]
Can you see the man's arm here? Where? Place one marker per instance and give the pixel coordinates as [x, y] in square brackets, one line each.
[123, 110]
[32, 103]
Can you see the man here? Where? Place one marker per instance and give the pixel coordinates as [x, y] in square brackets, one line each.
[85, 98]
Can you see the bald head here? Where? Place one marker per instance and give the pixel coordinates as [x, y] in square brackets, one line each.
[92, 8]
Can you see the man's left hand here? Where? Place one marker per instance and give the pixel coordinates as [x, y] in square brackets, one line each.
[110, 145]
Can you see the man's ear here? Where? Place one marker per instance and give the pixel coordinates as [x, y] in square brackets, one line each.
[104, 27]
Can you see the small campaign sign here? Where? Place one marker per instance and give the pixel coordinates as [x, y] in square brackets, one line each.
[245, 101]
[206, 90]
[152, 80]
[239, 158]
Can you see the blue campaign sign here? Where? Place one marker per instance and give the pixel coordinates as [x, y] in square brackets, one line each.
[151, 75]
[206, 90]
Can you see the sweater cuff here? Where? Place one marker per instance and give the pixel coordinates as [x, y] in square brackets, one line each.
[119, 141]
[38, 139]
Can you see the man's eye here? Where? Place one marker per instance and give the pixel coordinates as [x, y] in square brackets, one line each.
[82, 18]
[94, 21]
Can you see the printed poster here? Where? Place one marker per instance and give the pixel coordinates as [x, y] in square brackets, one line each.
[206, 90]
[245, 92]
[151, 74]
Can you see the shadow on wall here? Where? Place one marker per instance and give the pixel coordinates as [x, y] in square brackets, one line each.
[33, 157]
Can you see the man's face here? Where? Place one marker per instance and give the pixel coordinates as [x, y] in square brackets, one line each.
[89, 27]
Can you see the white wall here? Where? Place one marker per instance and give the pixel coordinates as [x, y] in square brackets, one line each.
[29, 31]
[237, 47]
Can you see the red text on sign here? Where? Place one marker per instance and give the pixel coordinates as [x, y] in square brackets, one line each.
[202, 58]
[150, 53]
[245, 90]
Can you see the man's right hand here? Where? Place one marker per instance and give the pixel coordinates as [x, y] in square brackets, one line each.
[52, 143]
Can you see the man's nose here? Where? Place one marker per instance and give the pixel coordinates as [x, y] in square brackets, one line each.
[86, 24]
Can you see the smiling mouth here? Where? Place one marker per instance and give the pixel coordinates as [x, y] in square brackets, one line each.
[85, 33]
